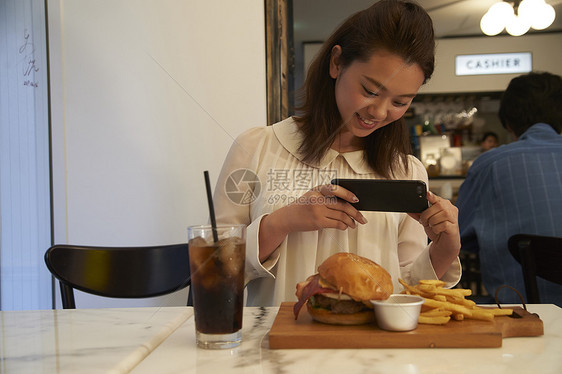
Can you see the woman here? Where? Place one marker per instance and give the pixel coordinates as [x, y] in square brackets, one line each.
[489, 140]
[357, 90]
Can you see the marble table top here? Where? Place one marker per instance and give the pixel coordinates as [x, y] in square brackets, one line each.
[162, 340]
[83, 340]
[178, 354]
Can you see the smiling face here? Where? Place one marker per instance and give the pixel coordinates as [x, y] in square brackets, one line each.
[371, 94]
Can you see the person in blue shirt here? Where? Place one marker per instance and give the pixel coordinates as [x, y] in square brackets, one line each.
[517, 187]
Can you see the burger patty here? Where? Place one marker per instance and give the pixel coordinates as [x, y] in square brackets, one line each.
[338, 306]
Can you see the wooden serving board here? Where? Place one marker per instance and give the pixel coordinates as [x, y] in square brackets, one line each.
[287, 332]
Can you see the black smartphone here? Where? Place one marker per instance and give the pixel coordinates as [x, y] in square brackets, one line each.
[408, 196]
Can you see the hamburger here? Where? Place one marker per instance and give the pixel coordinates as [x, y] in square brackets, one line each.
[341, 291]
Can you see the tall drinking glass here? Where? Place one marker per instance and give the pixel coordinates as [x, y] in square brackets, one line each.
[217, 256]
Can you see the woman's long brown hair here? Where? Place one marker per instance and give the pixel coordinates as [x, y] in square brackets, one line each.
[397, 26]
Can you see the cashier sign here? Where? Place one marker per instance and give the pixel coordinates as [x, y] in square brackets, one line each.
[496, 63]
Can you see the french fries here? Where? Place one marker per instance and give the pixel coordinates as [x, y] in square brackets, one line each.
[443, 304]
[438, 320]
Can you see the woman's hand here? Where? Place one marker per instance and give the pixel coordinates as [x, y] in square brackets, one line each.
[326, 206]
[440, 222]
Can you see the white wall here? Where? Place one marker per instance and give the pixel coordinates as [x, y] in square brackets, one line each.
[146, 95]
[546, 50]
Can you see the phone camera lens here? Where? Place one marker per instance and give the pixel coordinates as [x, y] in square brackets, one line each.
[419, 190]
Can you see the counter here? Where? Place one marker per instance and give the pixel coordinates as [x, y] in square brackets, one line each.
[162, 340]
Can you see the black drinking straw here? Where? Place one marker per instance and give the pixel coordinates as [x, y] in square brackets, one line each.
[211, 206]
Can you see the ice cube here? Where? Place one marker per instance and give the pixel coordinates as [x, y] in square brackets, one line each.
[204, 270]
[209, 281]
[197, 253]
[198, 242]
[231, 255]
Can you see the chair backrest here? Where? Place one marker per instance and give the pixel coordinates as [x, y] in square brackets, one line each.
[119, 272]
[539, 256]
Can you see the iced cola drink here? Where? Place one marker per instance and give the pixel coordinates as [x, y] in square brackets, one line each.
[217, 281]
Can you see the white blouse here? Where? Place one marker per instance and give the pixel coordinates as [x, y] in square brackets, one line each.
[264, 171]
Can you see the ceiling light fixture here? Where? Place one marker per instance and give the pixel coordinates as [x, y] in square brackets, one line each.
[517, 17]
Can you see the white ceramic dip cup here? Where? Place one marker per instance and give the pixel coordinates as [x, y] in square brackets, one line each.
[399, 312]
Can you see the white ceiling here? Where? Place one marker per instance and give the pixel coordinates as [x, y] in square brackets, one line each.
[314, 20]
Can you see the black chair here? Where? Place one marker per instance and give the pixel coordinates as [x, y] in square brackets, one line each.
[119, 272]
[539, 256]
[471, 276]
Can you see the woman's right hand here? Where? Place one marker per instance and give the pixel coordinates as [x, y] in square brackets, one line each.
[326, 206]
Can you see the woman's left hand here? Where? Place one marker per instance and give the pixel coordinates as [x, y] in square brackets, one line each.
[440, 222]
